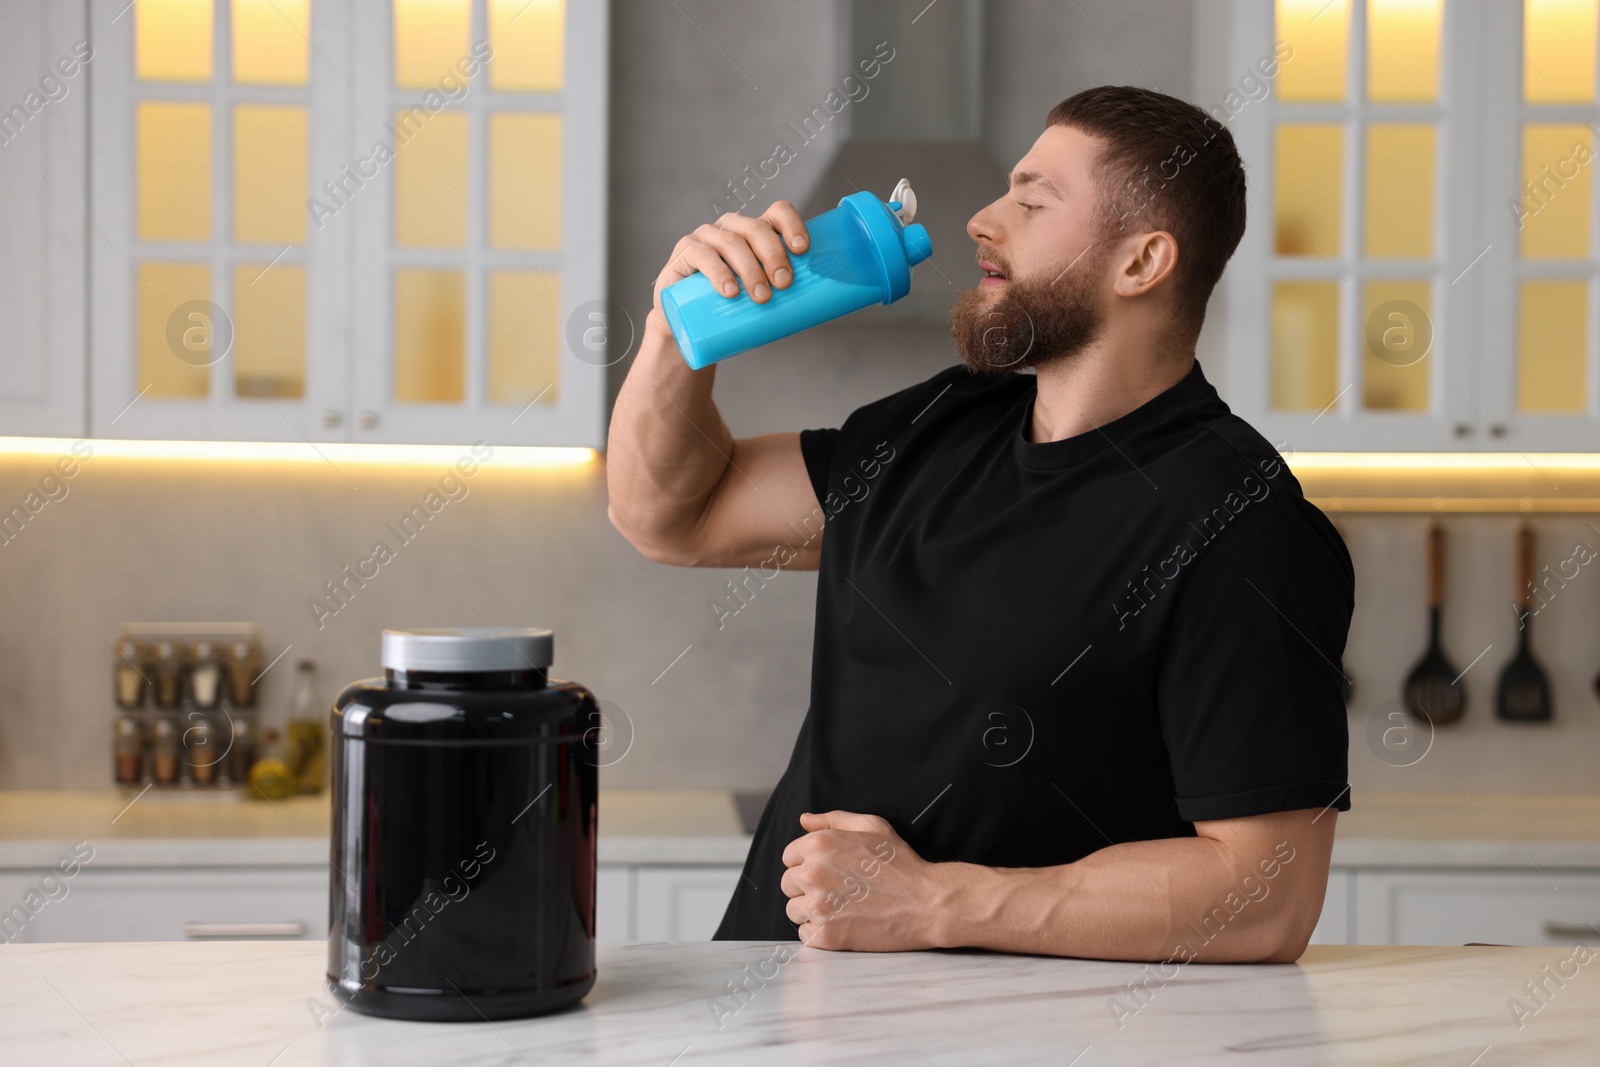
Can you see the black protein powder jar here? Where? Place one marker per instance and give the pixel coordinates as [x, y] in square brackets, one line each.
[463, 852]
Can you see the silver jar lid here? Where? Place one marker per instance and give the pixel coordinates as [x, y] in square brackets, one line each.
[467, 648]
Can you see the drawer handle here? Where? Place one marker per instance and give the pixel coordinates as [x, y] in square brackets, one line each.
[1569, 930]
[234, 931]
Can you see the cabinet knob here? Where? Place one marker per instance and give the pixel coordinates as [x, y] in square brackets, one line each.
[1497, 430]
[331, 418]
[1463, 429]
[367, 419]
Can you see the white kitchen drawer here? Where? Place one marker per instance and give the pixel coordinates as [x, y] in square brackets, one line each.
[613, 903]
[1333, 927]
[681, 903]
[16, 918]
[1460, 906]
[176, 904]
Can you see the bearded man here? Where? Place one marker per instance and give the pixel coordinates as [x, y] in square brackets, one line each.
[1075, 686]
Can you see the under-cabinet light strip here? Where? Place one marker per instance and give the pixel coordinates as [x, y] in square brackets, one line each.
[524, 456]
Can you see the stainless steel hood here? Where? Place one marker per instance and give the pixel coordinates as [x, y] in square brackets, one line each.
[922, 120]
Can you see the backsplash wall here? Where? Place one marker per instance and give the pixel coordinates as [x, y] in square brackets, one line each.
[170, 541]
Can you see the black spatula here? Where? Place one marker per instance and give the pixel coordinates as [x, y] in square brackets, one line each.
[1524, 688]
[1433, 691]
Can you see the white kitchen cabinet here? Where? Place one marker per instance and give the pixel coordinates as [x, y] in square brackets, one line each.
[280, 258]
[681, 903]
[1457, 907]
[613, 902]
[177, 904]
[16, 919]
[43, 223]
[1400, 285]
[1333, 927]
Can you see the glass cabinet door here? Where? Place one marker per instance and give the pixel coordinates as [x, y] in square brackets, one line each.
[217, 296]
[480, 219]
[1350, 308]
[1544, 387]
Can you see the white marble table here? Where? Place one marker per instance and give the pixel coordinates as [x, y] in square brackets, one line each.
[258, 1004]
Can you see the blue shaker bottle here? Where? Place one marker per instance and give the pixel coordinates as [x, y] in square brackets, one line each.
[860, 253]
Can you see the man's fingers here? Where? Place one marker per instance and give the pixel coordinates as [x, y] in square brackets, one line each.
[844, 820]
[767, 244]
[786, 220]
[701, 257]
[735, 250]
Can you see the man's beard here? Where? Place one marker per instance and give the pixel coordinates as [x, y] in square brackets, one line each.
[1034, 321]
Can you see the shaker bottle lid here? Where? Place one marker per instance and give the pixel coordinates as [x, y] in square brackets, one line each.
[467, 648]
[903, 202]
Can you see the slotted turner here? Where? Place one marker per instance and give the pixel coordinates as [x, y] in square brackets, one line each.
[1524, 687]
[1433, 692]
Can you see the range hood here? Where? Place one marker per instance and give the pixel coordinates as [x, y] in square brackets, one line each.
[922, 120]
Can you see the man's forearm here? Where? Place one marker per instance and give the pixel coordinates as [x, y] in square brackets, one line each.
[668, 446]
[1183, 898]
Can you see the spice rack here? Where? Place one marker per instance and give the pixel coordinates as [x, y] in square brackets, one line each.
[185, 699]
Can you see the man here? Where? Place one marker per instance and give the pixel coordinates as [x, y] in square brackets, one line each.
[1075, 684]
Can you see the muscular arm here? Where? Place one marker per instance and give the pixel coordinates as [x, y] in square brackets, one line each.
[1244, 891]
[683, 489]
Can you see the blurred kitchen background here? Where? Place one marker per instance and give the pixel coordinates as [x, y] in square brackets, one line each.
[398, 243]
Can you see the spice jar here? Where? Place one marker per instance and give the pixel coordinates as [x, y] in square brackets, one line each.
[168, 675]
[127, 673]
[164, 749]
[127, 744]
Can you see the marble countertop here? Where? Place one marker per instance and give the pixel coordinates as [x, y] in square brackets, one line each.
[702, 826]
[667, 1005]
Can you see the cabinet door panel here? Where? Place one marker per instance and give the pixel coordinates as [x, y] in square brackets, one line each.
[1458, 907]
[1341, 322]
[682, 903]
[613, 903]
[1333, 928]
[178, 905]
[42, 226]
[218, 287]
[478, 294]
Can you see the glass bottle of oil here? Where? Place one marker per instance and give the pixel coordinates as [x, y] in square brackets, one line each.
[270, 777]
[308, 731]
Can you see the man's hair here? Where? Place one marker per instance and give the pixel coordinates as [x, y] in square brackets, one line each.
[1165, 165]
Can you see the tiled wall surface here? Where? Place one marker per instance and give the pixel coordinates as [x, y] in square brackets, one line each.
[164, 541]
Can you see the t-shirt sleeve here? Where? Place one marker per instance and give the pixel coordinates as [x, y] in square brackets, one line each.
[817, 448]
[1252, 689]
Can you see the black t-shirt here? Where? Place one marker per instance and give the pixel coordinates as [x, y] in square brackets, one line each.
[1026, 651]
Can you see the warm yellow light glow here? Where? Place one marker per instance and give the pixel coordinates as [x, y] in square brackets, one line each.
[1403, 50]
[172, 40]
[1468, 483]
[430, 38]
[173, 172]
[1319, 33]
[527, 37]
[271, 41]
[1358, 462]
[1558, 51]
[298, 452]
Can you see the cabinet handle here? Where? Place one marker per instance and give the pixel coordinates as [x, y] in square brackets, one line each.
[1496, 430]
[367, 419]
[234, 931]
[1463, 429]
[1563, 931]
[331, 418]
